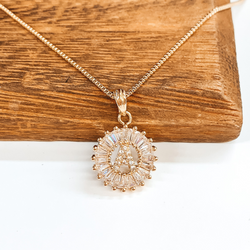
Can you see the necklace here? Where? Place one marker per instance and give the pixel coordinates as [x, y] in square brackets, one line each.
[124, 157]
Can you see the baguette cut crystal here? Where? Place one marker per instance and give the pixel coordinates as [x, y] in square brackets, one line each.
[124, 158]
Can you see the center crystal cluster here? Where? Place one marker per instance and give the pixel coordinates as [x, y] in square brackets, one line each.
[124, 162]
[125, 172]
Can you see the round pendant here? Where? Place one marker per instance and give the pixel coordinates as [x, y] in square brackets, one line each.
[124, 158]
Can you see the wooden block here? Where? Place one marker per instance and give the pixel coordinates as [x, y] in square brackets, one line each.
[194, 97]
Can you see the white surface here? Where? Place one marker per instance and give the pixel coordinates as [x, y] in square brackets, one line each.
[198, 199]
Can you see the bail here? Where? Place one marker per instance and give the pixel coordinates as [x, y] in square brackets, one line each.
[121, 101]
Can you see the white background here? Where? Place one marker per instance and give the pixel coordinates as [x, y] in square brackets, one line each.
[198, 199]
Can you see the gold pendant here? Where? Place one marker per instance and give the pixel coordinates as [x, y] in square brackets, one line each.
[124, 157]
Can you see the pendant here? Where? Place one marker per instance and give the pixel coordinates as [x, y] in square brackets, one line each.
[124, 157]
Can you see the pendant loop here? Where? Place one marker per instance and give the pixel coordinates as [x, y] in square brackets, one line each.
[121, 101]
[122, 122]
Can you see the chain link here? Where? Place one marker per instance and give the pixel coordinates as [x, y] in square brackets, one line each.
[171, 51]
[147, 75]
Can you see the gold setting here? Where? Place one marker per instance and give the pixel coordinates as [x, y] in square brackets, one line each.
[127, 170]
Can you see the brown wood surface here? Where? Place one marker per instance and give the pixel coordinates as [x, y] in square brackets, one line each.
[194, 97]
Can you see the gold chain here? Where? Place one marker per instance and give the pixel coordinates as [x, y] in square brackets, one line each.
[109, 93]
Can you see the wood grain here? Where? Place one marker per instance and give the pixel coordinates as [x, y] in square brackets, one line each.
[194, 97]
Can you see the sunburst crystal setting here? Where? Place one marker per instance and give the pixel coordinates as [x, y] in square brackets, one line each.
[129, 170]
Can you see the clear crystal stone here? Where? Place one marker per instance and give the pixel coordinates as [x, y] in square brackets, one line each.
[102, 166]
[147, 165]
[110, 176]
[101, 159]
[139, 140]
[131, 181]
[142, 142]
[112, 137]
[105, 171]
[108, 141]
[117, 179]
[101, 154]
[106, 144]
[127, 133]
[145, 147]
[143, 172]
[137, 177]
[134, 136]
[123, 182]
[148, 157]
